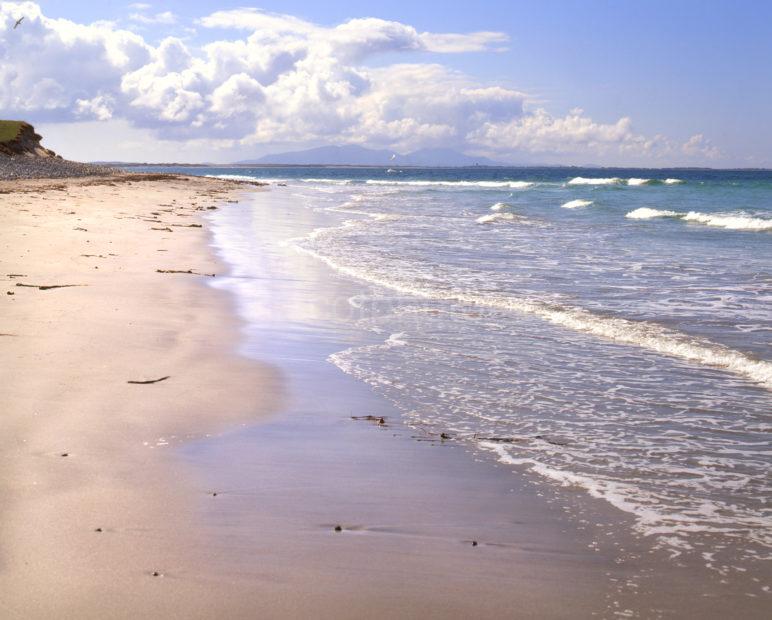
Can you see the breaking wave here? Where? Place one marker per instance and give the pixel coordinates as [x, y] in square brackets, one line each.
[646, 213]
[634, 181]
[605, 181]
[575, 204]
[478, 184]
[492, 218]
[729, 221]
[643, 334]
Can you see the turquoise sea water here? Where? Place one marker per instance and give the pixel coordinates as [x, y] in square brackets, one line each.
[603, 329]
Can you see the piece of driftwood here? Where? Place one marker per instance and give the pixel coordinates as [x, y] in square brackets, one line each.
[370, 418]
[189, 271]
[149, 381]
[167, 229]
[187, 225]
[47, 287]
[17, 275]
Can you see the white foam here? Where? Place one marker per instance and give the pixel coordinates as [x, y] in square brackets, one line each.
[575, 204]
[500, 206]
[646, 213]
[614, 493]
[396, 340]
[672, 181]
[482, 184]
[492, 218]
[652, 518]
[642, 334]
[634, 181]
[243, 177]
[328, 181]
[602, 181]
[730, 221]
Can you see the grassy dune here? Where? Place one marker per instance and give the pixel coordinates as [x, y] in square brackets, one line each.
[9, 130]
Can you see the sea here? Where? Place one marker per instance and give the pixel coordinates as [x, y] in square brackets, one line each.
[606, 330]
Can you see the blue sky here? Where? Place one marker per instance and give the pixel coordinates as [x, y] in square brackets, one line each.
[693, 78]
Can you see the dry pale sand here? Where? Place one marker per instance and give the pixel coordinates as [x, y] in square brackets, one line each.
[91, 505]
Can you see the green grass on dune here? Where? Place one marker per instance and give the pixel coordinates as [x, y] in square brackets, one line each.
[9, 130]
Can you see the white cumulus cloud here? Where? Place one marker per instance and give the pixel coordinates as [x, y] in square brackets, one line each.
[277, 78]
[699, 145]
[166, 17]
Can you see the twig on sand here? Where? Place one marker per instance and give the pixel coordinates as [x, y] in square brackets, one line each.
[190, 271]
[187, 225]
[17, 275]
[379, 420]
[167, 229]
[47, 287]
[149, 381]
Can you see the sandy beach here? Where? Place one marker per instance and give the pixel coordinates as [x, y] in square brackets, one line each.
[90, 505]
[151, 468]
[101, 520]
[405, 311]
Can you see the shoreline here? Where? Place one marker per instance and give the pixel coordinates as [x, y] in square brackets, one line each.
[228, 478]
[295, 309]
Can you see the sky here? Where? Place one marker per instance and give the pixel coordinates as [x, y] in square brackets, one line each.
[627, 83]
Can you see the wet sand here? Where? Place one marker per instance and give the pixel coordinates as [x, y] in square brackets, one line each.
[219, 491]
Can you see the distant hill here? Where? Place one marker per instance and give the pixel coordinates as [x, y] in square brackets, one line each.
[355, 155]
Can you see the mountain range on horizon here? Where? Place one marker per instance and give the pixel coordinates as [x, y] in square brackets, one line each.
[355, 155]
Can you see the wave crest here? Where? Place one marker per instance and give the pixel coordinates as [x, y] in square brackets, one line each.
[575, 204]
[492, 218]
[481, 184]
[647, 213]
[602, 181]
[729, 221]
